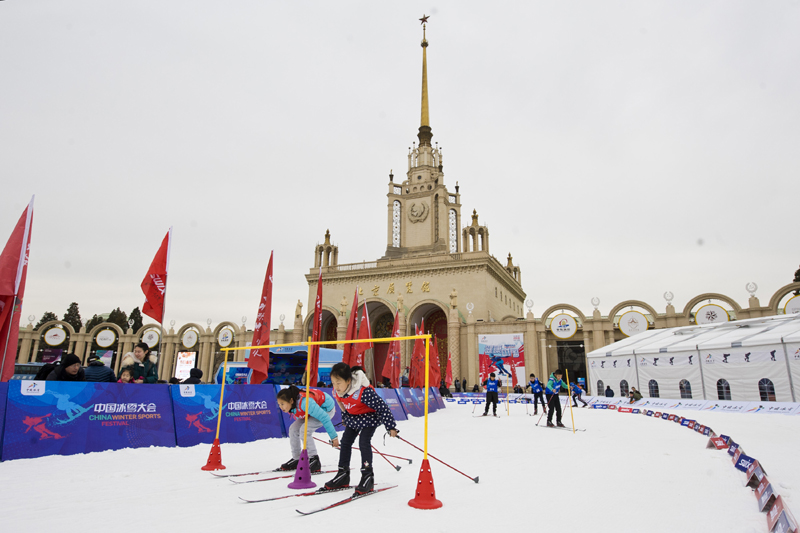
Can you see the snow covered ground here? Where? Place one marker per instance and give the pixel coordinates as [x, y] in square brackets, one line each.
[625, 473]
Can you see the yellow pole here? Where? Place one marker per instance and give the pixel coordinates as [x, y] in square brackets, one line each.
[427, 391]
[222, 390]
[569, 397]
[308, 386]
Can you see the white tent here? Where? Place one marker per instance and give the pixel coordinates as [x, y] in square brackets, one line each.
[745, 360]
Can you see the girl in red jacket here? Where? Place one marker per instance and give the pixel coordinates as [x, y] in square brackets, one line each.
[362, 412]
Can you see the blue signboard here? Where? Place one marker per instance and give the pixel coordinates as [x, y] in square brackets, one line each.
[249, 412]
[285, 364]
[410, 402]
[436, 397]
[390, 396]
[3, 395]
[65, 418]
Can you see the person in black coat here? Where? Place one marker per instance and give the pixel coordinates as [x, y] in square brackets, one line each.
[609, 392]
[69, 370]
[464, 384]
[97, 371]
[194, 377]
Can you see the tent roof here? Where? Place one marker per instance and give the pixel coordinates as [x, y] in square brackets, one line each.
[750, 332]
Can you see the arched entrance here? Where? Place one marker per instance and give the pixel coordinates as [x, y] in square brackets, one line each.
[436, 324]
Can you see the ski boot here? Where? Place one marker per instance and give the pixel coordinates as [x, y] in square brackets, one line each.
[560, 425]
[485, 414]
[367, 482]
[341, 480]
[550, 424]
[313, 464]
[291, 464]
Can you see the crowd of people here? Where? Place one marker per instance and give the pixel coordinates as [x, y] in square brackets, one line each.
[138, 366]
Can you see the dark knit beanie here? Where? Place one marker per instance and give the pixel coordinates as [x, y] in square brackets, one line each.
[69, 359]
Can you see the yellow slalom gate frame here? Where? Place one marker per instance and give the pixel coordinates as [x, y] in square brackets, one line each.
[427, 339]
[569, 398]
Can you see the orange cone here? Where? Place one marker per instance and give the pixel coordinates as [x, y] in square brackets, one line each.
[425, 497]
[214, 458]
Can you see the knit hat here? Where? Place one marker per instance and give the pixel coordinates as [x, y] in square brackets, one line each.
[196, 373]
[69, 359]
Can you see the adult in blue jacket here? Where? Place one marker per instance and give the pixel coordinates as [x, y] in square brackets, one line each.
[97, 371]
[492, 386]
[538, 393]
[609, 392]
[552, 389]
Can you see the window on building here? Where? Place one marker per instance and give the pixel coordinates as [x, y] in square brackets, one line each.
[686, 389]
[766, 390]
[723, 390]
[600, 387]
[653, 386]
[623, 388]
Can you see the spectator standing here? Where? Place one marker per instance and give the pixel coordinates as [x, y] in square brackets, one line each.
[143, 364]
[609, 392]
[194, 377]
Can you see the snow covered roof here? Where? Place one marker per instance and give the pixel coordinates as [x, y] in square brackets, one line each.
[750, 332]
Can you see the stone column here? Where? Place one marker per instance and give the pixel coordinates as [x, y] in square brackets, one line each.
[280, 338]
[35, 351]
[454, 342]
[297, 332]
[543, 355]
[26, 339]
[531, 346]
[470, 353]
[341, 330]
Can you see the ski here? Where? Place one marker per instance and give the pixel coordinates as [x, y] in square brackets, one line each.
[312, 493]
[487, 416]
[280, 477]
[344, 501]
[564, 428]
[239, 475]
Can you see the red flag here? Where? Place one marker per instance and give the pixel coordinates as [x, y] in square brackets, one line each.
[13, 273]
[448, 376]
[154, 284]
[259, 358]
[417, 377]
[313, 352]
[352, 331]
[391, 368]
[364, 332]
[435, 376]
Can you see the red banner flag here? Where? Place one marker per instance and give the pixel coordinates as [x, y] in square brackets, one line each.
[259, 358]
[313, 352]
[154, 284]
[417, 377]
[352, 330]
[435, 375]
[13, 274]
[391, 368]
[448, 375]
[364, 332]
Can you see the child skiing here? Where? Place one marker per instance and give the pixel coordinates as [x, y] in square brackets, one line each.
[320, 410]
[576, 395]
[538, 394]
[554, 385]
[492, 386]
[362, 412]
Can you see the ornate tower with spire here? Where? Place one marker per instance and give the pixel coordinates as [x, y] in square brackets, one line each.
[423, 216]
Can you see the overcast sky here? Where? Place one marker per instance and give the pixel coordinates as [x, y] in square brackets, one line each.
[615, 149]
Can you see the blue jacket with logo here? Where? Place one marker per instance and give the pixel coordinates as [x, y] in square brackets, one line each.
[575, 389]
[553, 385]
[491, 385]
[535, 386]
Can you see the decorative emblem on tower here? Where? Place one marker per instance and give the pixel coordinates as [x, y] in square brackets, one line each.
[418, 212]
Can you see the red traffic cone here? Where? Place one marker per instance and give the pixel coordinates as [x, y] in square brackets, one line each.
[214, 458]
[302, 476]
[426, 494]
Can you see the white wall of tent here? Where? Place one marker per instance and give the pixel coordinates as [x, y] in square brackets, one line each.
[742, 361]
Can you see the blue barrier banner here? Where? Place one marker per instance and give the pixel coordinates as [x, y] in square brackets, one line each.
[411, 402]
[419, 394]
[289, 419]
[394, 402]
[438, 397]
[66, 418]
[249, 412]
[744, 462]
[3, 396]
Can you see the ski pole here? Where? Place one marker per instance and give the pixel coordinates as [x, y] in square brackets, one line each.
[544, 411]
[387, 459]
[376, 451]
[475, 479]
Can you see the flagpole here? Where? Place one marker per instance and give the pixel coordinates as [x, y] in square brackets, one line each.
[164, 312]
[8, 335]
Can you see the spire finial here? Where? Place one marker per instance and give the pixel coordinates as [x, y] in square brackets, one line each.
[425, 123]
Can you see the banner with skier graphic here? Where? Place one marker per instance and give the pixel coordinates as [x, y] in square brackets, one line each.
[65, 418]
[248, 414]
[504, 355]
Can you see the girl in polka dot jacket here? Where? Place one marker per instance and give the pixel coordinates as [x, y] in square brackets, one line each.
[362, 412]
